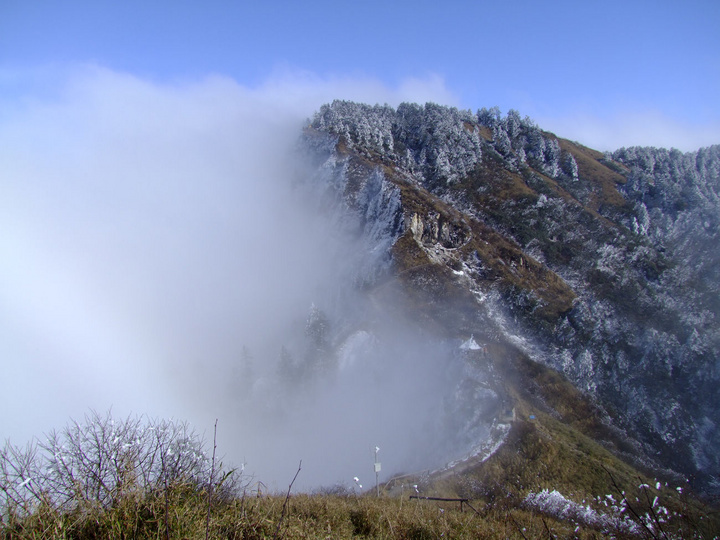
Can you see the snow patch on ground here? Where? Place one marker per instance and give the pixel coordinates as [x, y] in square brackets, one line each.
[555, 504]
[485, 449]
[470, 345]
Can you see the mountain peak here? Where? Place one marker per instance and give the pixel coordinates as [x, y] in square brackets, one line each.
[602, 266]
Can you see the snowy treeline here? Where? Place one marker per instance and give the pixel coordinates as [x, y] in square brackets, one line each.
[676, 201]
[441, 145]
[676, 207]
[520, 140]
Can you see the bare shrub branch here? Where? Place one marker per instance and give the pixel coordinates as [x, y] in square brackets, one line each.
[101, 461]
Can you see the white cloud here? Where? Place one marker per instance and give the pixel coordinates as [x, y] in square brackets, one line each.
[147, 236]
[306, 91]
[637, 128]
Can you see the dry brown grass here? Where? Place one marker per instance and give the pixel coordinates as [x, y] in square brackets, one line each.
[308, 516]
[604, 178]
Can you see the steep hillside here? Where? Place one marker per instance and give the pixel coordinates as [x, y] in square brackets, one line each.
[600, 266]
[526, 326]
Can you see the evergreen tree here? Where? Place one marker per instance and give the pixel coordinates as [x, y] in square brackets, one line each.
[318, 357]
[316, 327]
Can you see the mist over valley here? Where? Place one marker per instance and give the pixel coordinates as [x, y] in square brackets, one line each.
[476, 302]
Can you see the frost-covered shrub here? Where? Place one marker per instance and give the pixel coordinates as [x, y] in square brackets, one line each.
[555, 504]
[100, 461]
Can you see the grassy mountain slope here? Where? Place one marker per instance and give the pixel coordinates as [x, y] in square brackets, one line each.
[589, 262]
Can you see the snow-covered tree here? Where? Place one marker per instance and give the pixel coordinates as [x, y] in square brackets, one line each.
[317, 327]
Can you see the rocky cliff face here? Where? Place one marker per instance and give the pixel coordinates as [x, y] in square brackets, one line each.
[601, 266]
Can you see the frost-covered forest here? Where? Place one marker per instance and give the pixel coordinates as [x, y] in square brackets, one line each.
[633, 234]
[441, 145]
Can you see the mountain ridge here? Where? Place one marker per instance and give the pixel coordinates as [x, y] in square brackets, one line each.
[579, 258]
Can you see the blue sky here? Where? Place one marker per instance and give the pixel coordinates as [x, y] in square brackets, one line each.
[605, 73]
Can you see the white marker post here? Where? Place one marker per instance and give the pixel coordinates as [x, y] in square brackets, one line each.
[377, 471]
